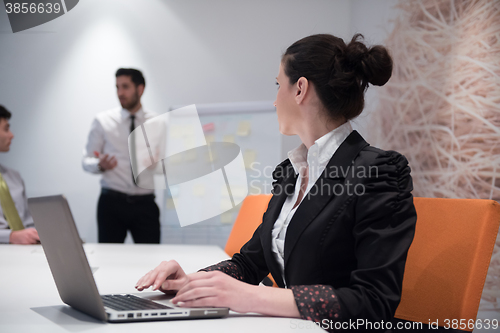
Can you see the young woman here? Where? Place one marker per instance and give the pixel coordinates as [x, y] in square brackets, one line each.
[337, 230]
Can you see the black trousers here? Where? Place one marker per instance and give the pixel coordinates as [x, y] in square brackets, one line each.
[118, 212]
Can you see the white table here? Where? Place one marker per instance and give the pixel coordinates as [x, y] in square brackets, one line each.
[29, 301]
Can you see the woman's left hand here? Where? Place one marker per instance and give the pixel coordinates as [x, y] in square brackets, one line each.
[216, 289]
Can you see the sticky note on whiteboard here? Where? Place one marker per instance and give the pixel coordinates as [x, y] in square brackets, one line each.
[249, 156]
[228, 138]
[244, 128]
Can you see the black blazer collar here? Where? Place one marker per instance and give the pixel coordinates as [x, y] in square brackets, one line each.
[312, 204]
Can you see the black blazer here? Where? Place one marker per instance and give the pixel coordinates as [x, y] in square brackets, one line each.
[351, 233]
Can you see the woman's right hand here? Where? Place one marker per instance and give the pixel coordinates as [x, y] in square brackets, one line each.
[168, 277]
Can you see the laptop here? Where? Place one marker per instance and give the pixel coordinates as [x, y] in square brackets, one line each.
[73, 276]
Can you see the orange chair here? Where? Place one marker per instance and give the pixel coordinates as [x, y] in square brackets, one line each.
[448, 261]
[249, 218]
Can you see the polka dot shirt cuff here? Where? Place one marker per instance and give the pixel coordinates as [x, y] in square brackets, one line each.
[317, 302]
[227, 267]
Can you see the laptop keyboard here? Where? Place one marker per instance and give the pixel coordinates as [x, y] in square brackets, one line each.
[130, 303]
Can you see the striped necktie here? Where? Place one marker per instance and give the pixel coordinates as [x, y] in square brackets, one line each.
[9, 208]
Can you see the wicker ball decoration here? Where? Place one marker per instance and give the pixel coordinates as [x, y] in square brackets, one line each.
[441, 108]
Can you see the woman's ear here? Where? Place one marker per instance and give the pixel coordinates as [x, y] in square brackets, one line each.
[302, 87]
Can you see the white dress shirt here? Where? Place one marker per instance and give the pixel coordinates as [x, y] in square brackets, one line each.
[109, 135]
[317, 157]
[18, 194]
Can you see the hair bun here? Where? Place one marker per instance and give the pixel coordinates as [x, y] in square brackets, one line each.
[374, 65]
[378, 65]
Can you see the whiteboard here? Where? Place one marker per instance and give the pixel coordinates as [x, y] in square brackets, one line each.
[253, 126]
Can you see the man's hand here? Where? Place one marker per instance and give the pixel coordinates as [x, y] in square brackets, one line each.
[106, 162]
[25, 236]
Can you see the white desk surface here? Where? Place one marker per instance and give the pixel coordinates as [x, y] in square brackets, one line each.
[29, 301]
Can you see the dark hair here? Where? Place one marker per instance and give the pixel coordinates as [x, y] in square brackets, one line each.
[340, 73]
[4, 113]
[135, 75]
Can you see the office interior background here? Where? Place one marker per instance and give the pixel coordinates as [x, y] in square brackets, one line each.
[440, 109]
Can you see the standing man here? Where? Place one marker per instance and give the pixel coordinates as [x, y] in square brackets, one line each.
[122, 204]
[16, 223]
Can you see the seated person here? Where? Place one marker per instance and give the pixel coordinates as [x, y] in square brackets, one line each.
[16, 223]
[337, 229]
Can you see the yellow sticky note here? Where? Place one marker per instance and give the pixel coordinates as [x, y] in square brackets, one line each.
[249, 157]
[238, 191]
[225, 204]
[209, 138]
[228, 138]
[211, 155]
[170, 203]
[254, 190]
[244, 128]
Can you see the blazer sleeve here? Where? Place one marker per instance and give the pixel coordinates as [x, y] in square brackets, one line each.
[383, 229]
[248, 265]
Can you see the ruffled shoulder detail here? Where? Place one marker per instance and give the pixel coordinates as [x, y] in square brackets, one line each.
[392, 169]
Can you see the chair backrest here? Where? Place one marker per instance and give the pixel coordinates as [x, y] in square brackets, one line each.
[448, 260]
[249, 218]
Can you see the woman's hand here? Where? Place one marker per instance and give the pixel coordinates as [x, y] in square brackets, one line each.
[168, 277]
[216, 289]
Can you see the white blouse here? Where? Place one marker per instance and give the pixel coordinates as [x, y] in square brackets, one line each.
[317, 157]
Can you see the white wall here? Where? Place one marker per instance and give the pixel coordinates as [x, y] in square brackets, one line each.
[374, 20]
[54, 78]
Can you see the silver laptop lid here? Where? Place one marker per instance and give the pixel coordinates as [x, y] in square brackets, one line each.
[64, 251]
